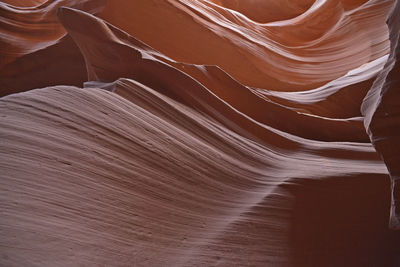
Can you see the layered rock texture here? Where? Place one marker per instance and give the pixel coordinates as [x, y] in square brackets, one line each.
[199, 133]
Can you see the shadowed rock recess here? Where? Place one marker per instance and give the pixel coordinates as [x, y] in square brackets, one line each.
[200, 133]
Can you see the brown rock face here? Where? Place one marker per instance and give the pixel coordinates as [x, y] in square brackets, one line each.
[381, 109]
[199, 133]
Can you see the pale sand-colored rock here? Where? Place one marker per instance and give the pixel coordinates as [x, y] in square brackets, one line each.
[148, 181]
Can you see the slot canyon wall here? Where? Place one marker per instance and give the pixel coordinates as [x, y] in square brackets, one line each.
[199, 133]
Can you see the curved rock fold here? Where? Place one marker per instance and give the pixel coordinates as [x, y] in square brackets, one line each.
[199, 133]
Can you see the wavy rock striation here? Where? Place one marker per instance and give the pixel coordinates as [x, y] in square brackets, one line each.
[198, 133]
